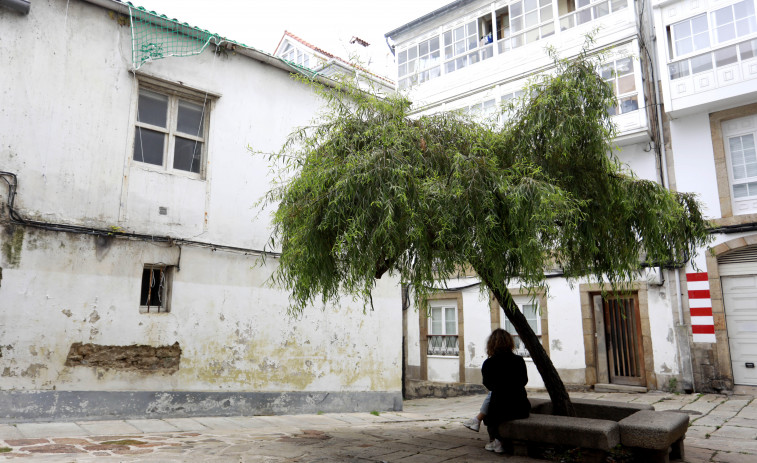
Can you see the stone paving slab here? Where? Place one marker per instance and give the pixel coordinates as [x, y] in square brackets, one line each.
[152, 426]
[50, 429]
[108, 427]
[9, 432]
[186, 424]
[736, 432]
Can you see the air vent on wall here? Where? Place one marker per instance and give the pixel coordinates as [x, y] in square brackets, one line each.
[743, 255]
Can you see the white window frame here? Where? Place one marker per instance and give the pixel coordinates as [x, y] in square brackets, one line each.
[164, 287]
[544, 27]
[442, 306]
[675, 39]
[521, 302]
[741, 127]
[615, 78]
[414, 72]
[735, 19]
[174, 94]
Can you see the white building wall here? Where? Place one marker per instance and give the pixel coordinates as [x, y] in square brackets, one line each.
[67, 125]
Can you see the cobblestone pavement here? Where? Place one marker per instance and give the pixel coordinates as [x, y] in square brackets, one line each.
[723, 429]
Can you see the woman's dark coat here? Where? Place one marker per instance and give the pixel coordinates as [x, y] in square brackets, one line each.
[505, 375]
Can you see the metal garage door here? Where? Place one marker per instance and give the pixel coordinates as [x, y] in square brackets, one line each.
[739, 282]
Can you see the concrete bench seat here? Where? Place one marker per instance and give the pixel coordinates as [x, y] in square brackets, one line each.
[598, 428]
[660, 434]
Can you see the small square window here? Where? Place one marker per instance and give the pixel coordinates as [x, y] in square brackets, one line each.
[156, 289]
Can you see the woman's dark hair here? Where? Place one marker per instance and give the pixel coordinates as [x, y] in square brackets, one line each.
[499, 341]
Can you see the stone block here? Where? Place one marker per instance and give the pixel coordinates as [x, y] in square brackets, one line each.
[562, 430]
[594, 409]
[653, 430]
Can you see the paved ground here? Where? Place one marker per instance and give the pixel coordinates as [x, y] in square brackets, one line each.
[723, 429]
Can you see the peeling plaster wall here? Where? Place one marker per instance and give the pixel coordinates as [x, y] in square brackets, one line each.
[57, 288]
[233, 329]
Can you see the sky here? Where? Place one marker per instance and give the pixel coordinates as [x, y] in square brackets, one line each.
[328, 24]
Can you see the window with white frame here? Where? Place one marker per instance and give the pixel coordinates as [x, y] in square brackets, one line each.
[530, 20]
[576, 12]
[621, 76]
[295, 55]
[155, 290]
[484, 110]
[706, 31]
[530, 309]
[734, 21]
[419, 63]
[442, 328]
[690, 35]
[739, 140]
[171, 130]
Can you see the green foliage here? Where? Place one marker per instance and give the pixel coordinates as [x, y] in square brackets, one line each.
[371, 188]
[375, 413]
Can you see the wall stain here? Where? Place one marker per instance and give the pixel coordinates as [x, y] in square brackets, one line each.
[161, 359]
[12, 244]
[94, 316]
[556, 344]
[34, 370]
[66, 312]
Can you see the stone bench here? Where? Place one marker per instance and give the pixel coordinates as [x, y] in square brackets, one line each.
[658, 435]
[598, 428]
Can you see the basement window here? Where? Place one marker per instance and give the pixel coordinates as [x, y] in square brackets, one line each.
[156, 289]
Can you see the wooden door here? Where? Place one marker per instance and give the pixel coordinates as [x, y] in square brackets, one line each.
[623, 340]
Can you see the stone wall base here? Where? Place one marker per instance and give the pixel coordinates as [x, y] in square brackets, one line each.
[416, 389]
[26, 406]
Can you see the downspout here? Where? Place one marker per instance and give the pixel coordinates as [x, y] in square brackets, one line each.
[683, 333]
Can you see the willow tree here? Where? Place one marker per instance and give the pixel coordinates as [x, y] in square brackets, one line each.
[372, 188]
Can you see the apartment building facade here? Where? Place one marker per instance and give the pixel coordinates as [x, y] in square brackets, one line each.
[708, 74]
[474, 56]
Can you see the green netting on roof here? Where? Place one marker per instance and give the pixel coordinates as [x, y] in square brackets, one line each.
[156, 36]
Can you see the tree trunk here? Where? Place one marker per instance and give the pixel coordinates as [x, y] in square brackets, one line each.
[561, 404]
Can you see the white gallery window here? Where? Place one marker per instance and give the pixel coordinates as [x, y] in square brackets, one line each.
[442, 328]
[734, 21]
[690, 35]
[419, 63]
[530, 309]
[171, 131]
[296, 55]
[621, 76]
[155, 290]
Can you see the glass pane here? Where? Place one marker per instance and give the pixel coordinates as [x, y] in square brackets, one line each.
[601, 10]
[448, 52]
[626, 84]
[545, 3]
[567, 22]
[699, 25]
[739, 172]
[402, 57]
[701, 41]
[684, 46]
[682, 29]
[423, 48]
[747, 142]
[607, 71]
[740, 191]
[435, 72]
[529, 5]
[629, 104]
[152, 108]
[402, 70]
[546, 13]
[547, 29]
[516, 9]
[472, 42]
[434, 44]
[745, 26]
[725, 33]
[190, 118]
[679, 69]
[624, 66]
[530, 311]
[619, 4]
[723, 16]
[450, 321]
[583, 16]
[412, 53]
[735, 145]
[532, 35]
[725, 56]
[187, 155]
[701, 63]
[459, 33]
[449, 66]
[436, 320]
[532, 19]
[148, 146]
[459, 47]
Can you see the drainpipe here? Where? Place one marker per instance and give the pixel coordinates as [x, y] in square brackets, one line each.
[21, 6]
[682, 332]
